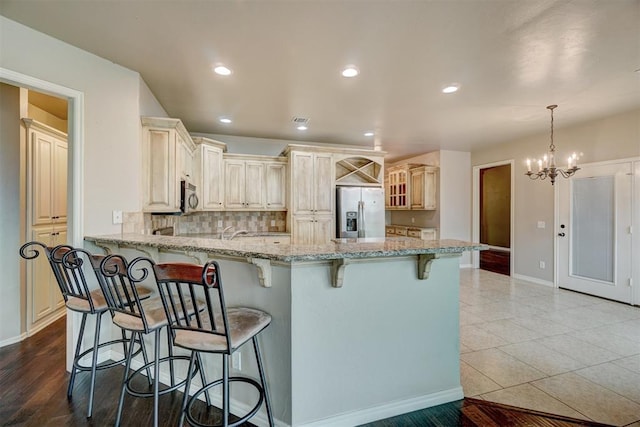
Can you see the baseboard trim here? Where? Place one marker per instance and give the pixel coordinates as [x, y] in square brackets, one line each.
[13, 340]
[533, 280]
[390, 410]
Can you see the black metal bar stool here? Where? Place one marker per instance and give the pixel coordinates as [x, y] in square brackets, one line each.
[120, 284]
[215, 329]
[80, 298]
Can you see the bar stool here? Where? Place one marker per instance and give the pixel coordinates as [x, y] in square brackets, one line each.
[79, 298]
[215, 329]
[120, 284]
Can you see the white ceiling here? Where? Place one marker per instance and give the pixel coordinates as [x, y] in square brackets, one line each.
[511, 57]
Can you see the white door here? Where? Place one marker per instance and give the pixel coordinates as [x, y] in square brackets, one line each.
[594, 231]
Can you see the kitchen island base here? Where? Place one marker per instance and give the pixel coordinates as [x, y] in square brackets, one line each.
[383, 344]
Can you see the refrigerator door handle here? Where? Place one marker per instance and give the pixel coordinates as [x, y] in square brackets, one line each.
[361, 219]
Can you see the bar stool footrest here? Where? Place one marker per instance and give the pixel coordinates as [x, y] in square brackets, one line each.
[149, 365]
[238, 422]
[103, 365]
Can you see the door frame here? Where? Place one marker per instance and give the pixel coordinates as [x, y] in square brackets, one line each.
[475, 255]
[635, 223]
[75, 140]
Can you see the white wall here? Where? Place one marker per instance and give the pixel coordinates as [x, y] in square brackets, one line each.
[614, 137]
[10, 212]
[114, 98]
[455, 197]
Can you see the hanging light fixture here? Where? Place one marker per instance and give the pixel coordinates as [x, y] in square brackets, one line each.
[547, 165]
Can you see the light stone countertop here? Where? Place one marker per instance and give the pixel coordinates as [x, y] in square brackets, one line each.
[341, 249]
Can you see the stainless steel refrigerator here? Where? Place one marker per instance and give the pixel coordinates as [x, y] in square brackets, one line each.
[359, 212]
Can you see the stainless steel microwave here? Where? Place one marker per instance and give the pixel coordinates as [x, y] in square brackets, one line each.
[188, 197]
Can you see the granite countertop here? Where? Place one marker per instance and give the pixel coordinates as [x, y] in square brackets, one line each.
[339, 249]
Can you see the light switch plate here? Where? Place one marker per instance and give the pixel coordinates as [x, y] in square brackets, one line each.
[541, 224]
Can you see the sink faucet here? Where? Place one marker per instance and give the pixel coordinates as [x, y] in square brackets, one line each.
[237, 233]
[224, 231]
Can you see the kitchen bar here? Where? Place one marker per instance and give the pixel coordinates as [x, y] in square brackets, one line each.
[362, 329]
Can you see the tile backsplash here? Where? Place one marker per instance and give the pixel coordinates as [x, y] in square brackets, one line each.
[205, 222]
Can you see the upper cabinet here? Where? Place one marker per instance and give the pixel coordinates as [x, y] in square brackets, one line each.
[47, 183]
[209, 173]
[254, 182]
[411, 186]
[168, 153]
[423, 187]
[396, 191]
[312, 188]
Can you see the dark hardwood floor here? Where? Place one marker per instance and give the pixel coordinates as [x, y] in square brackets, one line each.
[33, 384]
[496, 261]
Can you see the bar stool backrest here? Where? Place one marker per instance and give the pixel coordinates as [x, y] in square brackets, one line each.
[118, 280]
[67, 270]
[180, 283]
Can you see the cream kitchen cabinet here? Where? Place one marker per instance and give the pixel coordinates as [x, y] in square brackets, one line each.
[209, 173]
[312, 229]
[47, 174]
[312, 196]
[243, 184]
[167, 153]
[44, 298]
[276, 184]
[397, 188]
[422, 182]
[255, 182]
[422, 233]
[312, 187]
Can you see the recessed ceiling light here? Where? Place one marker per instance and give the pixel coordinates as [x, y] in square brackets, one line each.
[222, 70]
[368, 134]
[350, 71]
[225, 120]
[453, 87]
[302, 127]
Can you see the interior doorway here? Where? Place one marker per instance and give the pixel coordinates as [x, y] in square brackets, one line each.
[493, 216]
[75, 107]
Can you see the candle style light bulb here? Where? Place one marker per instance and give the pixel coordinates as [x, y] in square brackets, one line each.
[539, 165]
[528, 165]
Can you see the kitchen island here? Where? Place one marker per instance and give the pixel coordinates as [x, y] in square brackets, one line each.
[362, 329]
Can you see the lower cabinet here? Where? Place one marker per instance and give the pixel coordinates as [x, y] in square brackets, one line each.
[43, 294]
[312, 229]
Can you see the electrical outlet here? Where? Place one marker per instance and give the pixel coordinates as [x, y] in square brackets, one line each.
[413, 220]
[220, 223]
[273, 222]
[117, 217]
[236, 360]
[542, 265]
[541, 224]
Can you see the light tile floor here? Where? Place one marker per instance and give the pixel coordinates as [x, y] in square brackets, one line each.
[548, 349]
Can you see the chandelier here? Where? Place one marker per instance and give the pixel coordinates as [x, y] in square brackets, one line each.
[547, 165]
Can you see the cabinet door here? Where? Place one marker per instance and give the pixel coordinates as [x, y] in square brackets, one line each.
[417, 189]
[185, 160]
[234, 184]
[212, 178]
[303, 230]
[59, 238]
[324, 230]
[254, 191]
[276, 186]
[430, 185]
[323, 180]
[302, 183]
[42, 171]
[41, 280]
[59, 182]
[161, 186]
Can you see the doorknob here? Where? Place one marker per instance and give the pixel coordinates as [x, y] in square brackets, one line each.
[561, 234]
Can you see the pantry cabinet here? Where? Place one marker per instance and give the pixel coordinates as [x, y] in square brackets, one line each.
[167, 153]
[44, 296]
[312, 229]
[47, 173]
